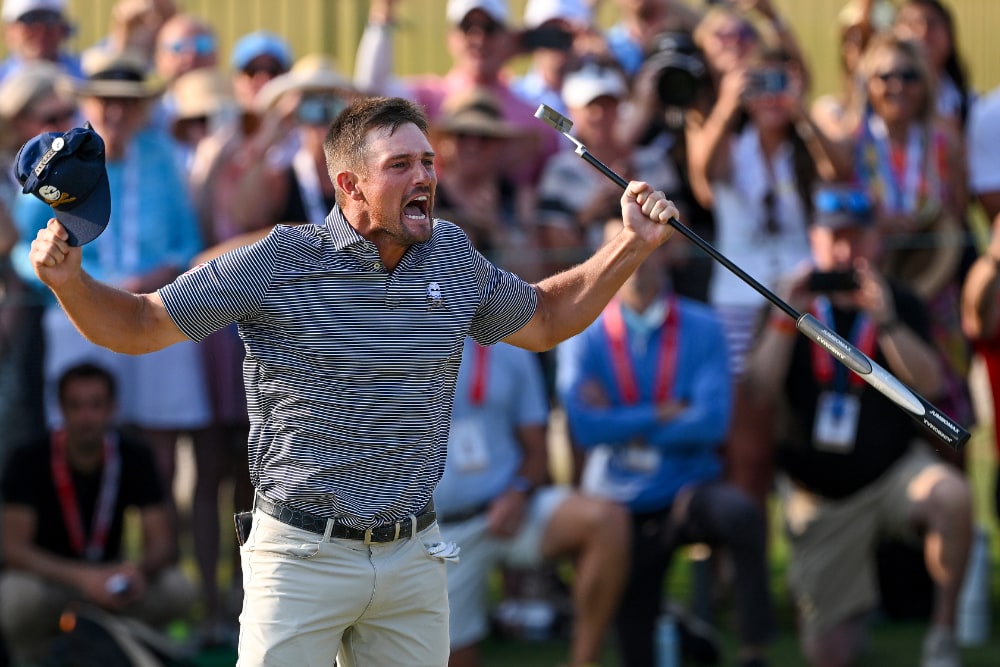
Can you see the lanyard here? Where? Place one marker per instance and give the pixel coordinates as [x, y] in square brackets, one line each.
[104, 511]
[863, 336]
[477, 388]
[614, 325]
[901, 189]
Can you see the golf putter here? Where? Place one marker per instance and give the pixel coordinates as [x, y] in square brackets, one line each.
[944, 429]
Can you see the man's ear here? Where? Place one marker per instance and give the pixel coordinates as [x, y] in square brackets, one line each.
[347, 181]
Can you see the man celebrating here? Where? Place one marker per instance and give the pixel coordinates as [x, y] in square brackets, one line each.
[354, 331]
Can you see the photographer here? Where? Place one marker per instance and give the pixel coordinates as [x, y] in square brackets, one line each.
[667, 84]
[856, 469]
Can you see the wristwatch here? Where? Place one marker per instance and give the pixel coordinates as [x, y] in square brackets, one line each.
[522, 484]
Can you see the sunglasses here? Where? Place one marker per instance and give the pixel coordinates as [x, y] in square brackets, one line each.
[854, 202]
[200, 45]
[488, 28]
[904, 76]
[771, 225]
[56, 117]
[270, 69]
[742, 34]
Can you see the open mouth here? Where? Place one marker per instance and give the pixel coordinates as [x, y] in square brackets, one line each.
[417, 208]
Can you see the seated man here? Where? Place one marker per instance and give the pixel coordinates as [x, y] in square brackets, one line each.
[492, 501]
[857, 468]
[63, 517]
[647, 393]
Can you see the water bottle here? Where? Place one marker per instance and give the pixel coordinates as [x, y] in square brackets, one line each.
[972, 627]
[667, 644]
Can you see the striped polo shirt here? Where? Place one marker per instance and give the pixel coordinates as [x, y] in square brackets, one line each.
[350, 370]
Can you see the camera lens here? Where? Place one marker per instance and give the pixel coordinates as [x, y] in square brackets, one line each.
[676, 87]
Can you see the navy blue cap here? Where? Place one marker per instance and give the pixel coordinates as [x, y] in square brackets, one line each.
[67, 172]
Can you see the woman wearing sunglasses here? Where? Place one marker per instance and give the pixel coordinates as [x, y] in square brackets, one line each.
[911, 162]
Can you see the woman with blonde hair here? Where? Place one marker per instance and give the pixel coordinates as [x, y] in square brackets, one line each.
[911, 162]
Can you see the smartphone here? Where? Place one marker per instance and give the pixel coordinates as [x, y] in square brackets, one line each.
[768, 81]
[243, 521]
[546, 37]
[833, 281]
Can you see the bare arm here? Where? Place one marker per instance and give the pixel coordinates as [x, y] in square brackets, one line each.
[506, 512]
[707, 140]
[572, 299]
[106, 316]
[20, 525]
[980, 311]
[158, 550]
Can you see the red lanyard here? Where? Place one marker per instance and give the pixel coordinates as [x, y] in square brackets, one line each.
[863, 336]
[477, 389]
[614, 325]
[103, 513]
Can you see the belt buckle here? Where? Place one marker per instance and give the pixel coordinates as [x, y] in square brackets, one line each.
[368, 533]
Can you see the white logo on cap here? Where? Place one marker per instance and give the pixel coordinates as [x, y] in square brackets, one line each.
[50, 192]
[58, 143]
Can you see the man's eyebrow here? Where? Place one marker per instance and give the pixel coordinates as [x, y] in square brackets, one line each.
[408, 156]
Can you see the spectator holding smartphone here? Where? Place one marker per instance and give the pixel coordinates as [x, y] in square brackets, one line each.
[65, 498]
[854, 468]
[754, 163]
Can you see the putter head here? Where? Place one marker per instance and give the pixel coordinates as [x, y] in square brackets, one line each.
[560, 122]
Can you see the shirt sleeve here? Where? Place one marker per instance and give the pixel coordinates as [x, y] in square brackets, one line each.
[508, 302]
[984, 142]
[227, 289]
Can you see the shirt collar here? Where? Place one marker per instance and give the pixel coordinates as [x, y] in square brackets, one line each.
[344, 235]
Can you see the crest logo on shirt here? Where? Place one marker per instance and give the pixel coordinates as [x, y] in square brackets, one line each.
[434, 298]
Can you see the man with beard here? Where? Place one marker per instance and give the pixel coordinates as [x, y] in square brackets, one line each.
[354, 332]
[65, 500]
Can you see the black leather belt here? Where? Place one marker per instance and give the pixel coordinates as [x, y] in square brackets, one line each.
[389, 532]
[463, 515]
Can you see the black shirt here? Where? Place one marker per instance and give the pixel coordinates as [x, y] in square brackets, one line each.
[884, 430]
[28, 481]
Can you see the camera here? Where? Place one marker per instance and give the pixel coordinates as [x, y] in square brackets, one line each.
[767, 81]
[319, 109]
[833, 281]
[681, 71]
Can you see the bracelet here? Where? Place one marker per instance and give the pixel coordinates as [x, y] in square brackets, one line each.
[783, 325]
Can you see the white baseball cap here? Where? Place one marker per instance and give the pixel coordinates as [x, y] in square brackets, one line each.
[497, 9]
[538, 12]
[591, 81]
[15, 9]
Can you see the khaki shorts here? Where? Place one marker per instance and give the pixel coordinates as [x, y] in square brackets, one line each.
[481, 552]
[832, 571]
[308, 600]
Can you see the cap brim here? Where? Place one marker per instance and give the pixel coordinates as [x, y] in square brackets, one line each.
[85, 222]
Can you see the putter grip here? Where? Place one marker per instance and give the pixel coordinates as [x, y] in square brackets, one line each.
[943, 427]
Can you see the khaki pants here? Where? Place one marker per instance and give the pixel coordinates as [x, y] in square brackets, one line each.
[308, 600]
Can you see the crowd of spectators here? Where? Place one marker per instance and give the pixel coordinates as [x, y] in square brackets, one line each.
[682, 431]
